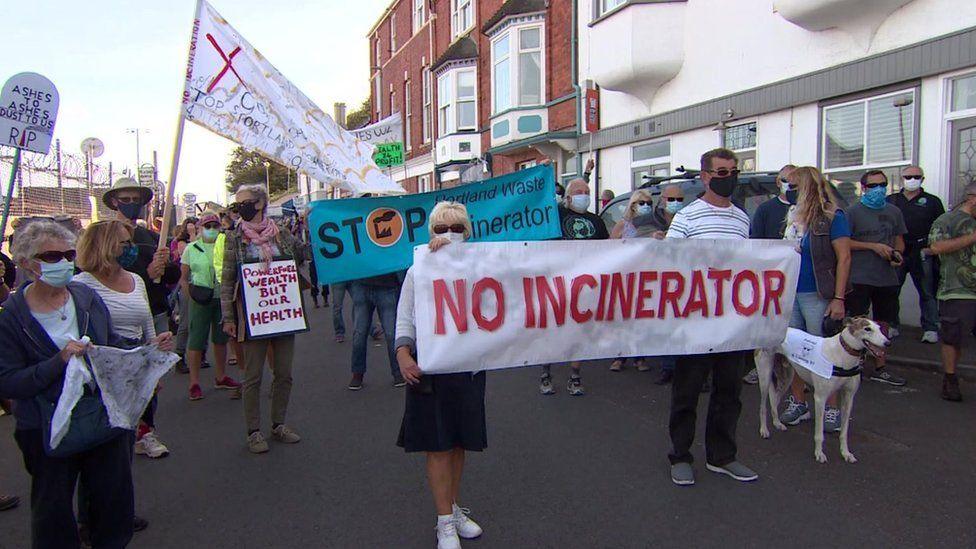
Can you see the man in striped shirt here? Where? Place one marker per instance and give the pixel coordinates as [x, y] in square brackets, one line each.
[713, 216]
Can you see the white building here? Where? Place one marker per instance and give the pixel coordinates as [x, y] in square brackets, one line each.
[844, 85]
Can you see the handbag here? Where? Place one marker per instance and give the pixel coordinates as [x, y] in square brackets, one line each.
[89, 426]
[202, 294]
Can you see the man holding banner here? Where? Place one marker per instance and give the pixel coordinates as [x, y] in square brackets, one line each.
[713, 216]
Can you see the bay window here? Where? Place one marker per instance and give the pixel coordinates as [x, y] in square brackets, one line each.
[456, 101]
[517, 68]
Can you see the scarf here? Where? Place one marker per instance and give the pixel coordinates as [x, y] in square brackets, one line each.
[261, 235]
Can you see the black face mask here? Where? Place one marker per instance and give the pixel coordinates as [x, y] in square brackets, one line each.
[131, 210]
[723, 186]
[791, 196]
[247, 211]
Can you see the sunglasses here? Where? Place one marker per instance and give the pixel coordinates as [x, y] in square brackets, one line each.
[724, 172]
[212, 226]
[784, 180]
[875, 185]
[673, 199]
[643, 203]
[456, 228]
[55, 256]
[908, 177]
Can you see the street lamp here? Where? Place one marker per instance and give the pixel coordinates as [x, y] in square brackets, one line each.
[267, 177]
[136, 131]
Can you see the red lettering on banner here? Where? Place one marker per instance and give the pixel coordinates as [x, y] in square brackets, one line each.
[529, 302]
[579, 316]
[644, 293]
[697, 298]
[457, 305]
[620, 294]
[773, 294]
[720, 277]
[557, 300]
[476, 292]
[601, 309]
[671, 294]
[740, 278]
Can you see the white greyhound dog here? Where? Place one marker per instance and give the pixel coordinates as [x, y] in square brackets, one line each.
[845, 353]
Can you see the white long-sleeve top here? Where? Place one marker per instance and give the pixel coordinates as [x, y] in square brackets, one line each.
[406, 322]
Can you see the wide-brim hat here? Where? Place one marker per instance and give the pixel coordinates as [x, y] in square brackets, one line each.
[125, 183]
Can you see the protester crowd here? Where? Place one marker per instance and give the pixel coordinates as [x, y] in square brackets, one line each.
[115, 284]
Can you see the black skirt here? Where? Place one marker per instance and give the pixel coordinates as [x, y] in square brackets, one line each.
[445, 412]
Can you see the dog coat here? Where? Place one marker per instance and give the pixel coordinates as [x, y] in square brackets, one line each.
[806, 351]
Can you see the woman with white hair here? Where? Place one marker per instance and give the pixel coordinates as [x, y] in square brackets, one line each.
[640, 204]
[444, 414]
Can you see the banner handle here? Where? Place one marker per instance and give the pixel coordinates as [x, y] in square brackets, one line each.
[9, 195]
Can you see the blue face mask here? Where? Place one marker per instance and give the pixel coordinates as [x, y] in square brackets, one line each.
[128, 256]
[57, 274]
[210, 235]
[643, 209]
[673, 207]
[874, 198]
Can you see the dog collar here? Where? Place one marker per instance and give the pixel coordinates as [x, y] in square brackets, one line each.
[850, 350]
[840, 372]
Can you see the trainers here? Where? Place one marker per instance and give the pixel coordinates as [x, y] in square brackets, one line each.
[8, 502]
[195, 392]
[340, 338]
[447, 535]
[682, 474]
[466, 528]
[139, 524]
[832, 420]
[752, 378]
[575, 386]
[226, 383]
[735, 470]
[236, 394]
[795, 412]
[884, 376]
[150, 446]
[284, 433]
[642, 366]
[545, 385]
[256, 443]
[950, 388]
[398, 380]
[664, 377]
[181, 367]
[930, 336]
[356, 383]
[616, 365]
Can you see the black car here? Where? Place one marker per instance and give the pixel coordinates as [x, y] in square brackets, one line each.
[753, 189]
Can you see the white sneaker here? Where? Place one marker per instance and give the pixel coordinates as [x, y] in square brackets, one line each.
[150, 446]
[930, 337]
[466, 528]
[893, 333]
[447, 536]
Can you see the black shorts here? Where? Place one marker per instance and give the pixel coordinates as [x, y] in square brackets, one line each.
[957, 318]
[881, 300]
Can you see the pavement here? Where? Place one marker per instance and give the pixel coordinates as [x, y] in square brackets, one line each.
[908, 350]
[560, 471]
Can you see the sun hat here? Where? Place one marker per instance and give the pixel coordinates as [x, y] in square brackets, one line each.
[125, 183]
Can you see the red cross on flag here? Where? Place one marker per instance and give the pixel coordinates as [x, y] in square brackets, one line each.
[234, 91]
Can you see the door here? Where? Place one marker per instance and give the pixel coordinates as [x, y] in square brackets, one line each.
[962, 162]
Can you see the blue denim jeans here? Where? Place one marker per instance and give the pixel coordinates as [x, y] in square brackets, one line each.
[338, 292]
[809, 310]
[365, 300]
[922, 268]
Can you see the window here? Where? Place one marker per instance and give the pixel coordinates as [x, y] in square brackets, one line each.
[393, 102]
[873, 133]
[462, 16]
[408, 112]
[963, 92]
[425, 113]
[526, 165]
[649, 160]
[423, 184]
[378, 53]
[604, 6]
[418, 15]
[742, 140]
[517, 69]
[456, 102]
[378, 95]
[393, 44]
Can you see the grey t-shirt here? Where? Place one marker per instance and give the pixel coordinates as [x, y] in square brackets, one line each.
[869, 225]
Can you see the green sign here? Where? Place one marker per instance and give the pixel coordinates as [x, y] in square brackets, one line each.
[388, 154]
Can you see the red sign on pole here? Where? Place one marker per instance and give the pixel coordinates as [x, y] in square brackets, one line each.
[591, 109]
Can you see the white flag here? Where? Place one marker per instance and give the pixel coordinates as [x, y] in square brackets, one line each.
[388, 130]
[232, 90]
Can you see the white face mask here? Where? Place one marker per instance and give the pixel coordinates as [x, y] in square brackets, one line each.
[913, 184]
[579, 202]
[453, 238]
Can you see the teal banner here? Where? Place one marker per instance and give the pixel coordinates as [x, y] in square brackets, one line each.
[356, 238]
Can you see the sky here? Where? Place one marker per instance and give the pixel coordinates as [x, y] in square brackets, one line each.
[120, 64]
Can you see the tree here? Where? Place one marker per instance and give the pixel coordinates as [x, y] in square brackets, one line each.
[358, 118]
[247, 168]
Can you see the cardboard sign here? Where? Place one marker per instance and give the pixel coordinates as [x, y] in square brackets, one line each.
[272, 299]
[28, 109]
[361, 237]
[482, 306]
[388, 154]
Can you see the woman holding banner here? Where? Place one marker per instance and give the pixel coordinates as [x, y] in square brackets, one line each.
[257, 239]
[444, 414]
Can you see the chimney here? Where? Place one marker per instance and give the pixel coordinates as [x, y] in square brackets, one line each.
[339, 113]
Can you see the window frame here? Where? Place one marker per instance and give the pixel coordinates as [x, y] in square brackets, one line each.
[949, 81]
[378, 52]
[427, 99]
[378, 95]
[408, 117]
[419, 15]
[602, 6]
[744, 153]
[456, 11]
[449, 124]
[423, 183]
[393, 37]
[649, 164]
[513, 35]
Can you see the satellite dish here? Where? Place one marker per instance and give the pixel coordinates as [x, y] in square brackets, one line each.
[93, 147]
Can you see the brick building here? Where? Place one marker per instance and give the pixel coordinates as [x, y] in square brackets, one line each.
[483, 87]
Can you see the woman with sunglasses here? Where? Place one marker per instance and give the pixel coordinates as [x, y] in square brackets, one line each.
[258, 239]
[444, 414]
[41, 329]
[200, 288]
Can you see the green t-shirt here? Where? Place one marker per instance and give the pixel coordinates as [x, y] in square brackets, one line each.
[198, 255]
[958, 268]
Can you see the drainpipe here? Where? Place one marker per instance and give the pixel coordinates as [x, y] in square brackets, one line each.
[576, 88]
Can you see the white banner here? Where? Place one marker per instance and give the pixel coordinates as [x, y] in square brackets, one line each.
[272, 299]
[388, 130]
[232, 90]
[498, 305]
